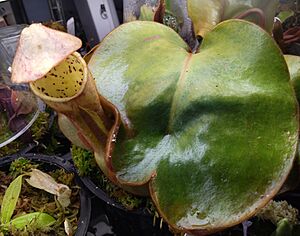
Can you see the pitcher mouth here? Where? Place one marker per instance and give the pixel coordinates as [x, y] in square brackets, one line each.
[64, 81]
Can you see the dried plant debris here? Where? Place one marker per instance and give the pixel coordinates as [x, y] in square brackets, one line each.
[43, 181]
[44, 210]
[276, 211]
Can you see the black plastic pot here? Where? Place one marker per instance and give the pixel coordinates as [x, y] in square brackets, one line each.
[53, 162]
[123, 221]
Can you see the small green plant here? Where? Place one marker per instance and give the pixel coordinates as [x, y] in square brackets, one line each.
[29, 204]
[38, 220]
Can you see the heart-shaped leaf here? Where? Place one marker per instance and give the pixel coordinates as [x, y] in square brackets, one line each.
[213, 133]
[206, 14]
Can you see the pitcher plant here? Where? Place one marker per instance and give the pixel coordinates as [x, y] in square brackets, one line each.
[211, 135]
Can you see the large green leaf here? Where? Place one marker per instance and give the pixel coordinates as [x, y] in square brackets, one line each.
[206, 14]
[214, 133]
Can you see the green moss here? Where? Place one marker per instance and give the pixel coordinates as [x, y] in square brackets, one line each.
[171, 21]
[37, 131]
[21, 166]
[40, 126]
[54, 142]
[84, 161]
[30, 231]
[11, 148]
[63, 177]
[50, 140]
[86, 166]
[5, 131]
[127, 200]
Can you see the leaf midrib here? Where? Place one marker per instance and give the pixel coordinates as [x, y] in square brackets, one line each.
[180, 83]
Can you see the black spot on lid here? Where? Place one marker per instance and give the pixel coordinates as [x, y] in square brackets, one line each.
[43, 89]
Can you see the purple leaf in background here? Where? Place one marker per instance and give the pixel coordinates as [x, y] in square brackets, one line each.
[15, 104]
